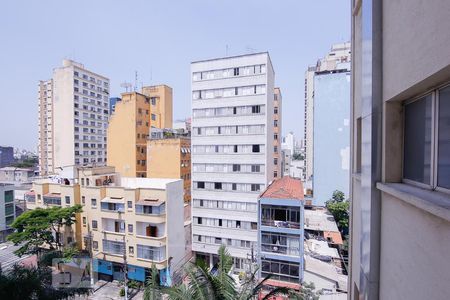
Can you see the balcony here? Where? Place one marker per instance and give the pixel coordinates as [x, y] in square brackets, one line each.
[30, 197]
[156, 254]
[150, 207]
[113, 226]
[52, 199]
[280, 224]
[112, 205]
[113, 247]
[150, 230]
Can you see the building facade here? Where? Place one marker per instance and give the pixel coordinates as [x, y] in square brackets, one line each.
[133, 218]
[112, 104]
[232, 152]
[281, 231]
[7, 209]
[327, 126]
[400, 203]
[130, 126]
[6, 156]
[277, 132]
[73, 118]
[16, 175]
[169, 156]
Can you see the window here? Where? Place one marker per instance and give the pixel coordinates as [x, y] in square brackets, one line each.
[199, 220]
[255, 187]
[130, 204]
[94, 224]
[256, 109]
[94, 203]
[234, 186]
[236, 168]
[84, 220]
[238, 224]
[153, 100]
[130, 228]
[275, 174]
[235, 149]
[234, 110]
[87, 181]
[201, 185]
[236, 71]
[443, 147]
[217, 185]
[255, 149]
[67, 199]
[275, 161]
[256, 168]
[275, 110]
[201, 203]
[220, 222]
[275, 123]
[417, 140]
[131, 250]
[275, 149]
[83, 200]
[153, 117]
[95, 244]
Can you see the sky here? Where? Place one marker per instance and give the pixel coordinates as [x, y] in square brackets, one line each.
[158, 40]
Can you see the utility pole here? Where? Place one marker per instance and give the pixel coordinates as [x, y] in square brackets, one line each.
[125, 267]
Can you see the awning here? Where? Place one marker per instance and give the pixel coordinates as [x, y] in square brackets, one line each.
[112, 200]
[150, 202]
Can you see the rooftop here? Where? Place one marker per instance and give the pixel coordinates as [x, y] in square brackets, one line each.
[230, 57]
[16, 169]
[150, 183]
[320, 220]
[284, 188]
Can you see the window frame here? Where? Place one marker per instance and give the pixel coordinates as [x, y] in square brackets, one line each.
[433, 185]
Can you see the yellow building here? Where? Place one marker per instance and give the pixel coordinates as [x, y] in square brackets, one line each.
[277, 132]
[170, 157]
[130, 124]
[140, 218]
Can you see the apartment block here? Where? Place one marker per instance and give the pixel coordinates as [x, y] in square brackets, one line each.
[73, 118]
[277, 132]
[16, 175]
[129, 127]
[281, 233]
[169, 156]
[135, 218]
[327, 131]
[7, 209]
[232, 152]
[6, 156]
[400, 133]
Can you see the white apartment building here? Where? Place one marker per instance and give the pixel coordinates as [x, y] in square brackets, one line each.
[232, 152]
[7, 209]
[73, 118]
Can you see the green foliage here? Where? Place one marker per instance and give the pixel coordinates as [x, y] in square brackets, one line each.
[339, 208]
[307, 292]
[152, 289]
[26, 163]
[122, 292]
[33, 283]
[34, 228]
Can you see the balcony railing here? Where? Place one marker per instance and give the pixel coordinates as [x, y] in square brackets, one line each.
[280, 224]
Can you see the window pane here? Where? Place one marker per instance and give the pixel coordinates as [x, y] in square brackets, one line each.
[417, 147]
[443, 176]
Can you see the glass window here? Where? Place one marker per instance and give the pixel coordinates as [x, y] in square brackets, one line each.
[443, 161]
[417, 140]
[94, 224]
[67, 199]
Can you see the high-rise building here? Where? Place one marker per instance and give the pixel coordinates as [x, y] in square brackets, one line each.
[281, 233]
[73, 118]
[6, 156]
[112, 104]
[232, 152]
[277, 132]
[400, 201]
[328, 124]
[130, 126]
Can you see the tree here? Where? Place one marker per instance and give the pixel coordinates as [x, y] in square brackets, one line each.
[35, 228]
[339, 207]
[204, 283]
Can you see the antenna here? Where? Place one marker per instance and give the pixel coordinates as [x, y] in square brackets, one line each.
[126, 86]
[135, 80]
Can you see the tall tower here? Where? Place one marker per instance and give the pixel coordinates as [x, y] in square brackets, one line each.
[232, 152]
[73, 118]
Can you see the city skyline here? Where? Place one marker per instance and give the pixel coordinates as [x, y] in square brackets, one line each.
[105, 48]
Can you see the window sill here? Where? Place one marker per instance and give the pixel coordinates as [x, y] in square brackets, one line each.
[433, 202]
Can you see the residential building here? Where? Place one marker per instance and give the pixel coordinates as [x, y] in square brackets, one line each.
[277, 132]
[329, 139]
[169, 156]
[73, 117]
[112, 104]
[308, 123]
[161, 99]
[281, 232]
[182, 126]
[232, 152]
[6, 156]
[400, 202]
[16, 175]
[289, 143]
[135, 218]
[286, 162]
[296, 169]
[130, 125]
[7, 209]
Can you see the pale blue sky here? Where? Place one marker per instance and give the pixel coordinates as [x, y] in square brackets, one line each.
[158, 39]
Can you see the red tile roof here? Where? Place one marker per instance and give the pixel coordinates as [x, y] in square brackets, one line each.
[284, 188]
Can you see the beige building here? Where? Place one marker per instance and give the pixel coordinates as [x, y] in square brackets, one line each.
[138, 217]
[277, 132]
[169, 156]
[400, 183]
[73, 117]
[130, 125]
